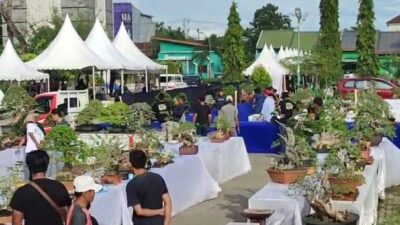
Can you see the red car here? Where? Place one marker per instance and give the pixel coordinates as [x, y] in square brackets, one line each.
[384, 88]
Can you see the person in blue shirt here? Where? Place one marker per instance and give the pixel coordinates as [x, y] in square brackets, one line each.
[258, 101]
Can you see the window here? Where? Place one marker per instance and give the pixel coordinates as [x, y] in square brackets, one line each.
[362, 84]
[126, 16]
[44, 104]
[382, 85]
[349, 84]
[202, 69]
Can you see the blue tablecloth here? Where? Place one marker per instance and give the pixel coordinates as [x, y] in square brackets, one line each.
[244, 111]
[259, 136]
[396, 140]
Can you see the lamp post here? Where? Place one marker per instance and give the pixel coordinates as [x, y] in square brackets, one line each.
[299, 17]
[209, 53]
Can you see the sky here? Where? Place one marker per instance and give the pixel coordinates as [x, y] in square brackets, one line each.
[210, 16]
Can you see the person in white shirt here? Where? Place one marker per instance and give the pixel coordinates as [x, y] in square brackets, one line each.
[268, 107]
[34, 135]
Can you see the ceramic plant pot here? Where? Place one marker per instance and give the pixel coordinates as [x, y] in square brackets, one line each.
[286, 176]
[376, 140]
[188, 150]
[352, 219]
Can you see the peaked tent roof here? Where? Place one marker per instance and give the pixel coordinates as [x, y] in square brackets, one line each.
[67, 52]
[276, 70]
[128, 49]
[12, 67]
[99, 43]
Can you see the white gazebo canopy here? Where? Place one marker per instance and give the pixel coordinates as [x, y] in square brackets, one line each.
[129, 50]
[12, 67]
[68, 52]
[100, 44]
[276, 70]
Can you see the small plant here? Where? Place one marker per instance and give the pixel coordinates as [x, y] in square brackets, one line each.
[9, 184]
[150, 141]
[117, 114]
[89, 113]
[140, 116]
[18, 100]
[186, 132]
[63, 139]
[223, 125]
[229, 90]
[302, 98]
[261, 78]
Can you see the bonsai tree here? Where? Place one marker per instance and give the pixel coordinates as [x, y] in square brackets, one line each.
[117, 114]
[17, 100]
[63, 139]
[140, 116]
[186, 133]
[261, 78]
[150, 141]
[223, 127]
[89, 113]
[8, 185]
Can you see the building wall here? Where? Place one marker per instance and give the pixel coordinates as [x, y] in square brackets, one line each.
[104, 11]
[394, 27]
[120, 10]
[143, 27]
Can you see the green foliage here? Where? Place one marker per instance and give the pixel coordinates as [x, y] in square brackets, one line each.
[168, 98]
[63, 139]
[247, 88]
[28, 57]
[223, 124]
[169, 32]
[140, 115]
[107, 152]
[9, 184]
[261, 78]
[234, 54]
[183, 96]
[18, 100]
[330, 45]
[367, 59]
[173, 67]
[117, 114]
[393, 218]
[229, 90]
[89, 113]
[266, 18]
[302, 97]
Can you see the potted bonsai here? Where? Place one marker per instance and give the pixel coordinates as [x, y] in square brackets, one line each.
[223, 130]
[187, 135]
[140, 116]
[149, 141]
[85, 119]
[117, 114]
[316, 190]
[162, 159]
[289, 168]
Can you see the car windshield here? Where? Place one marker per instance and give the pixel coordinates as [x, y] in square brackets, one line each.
[44, 104]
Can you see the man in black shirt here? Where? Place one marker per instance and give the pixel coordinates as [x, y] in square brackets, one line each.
[286, 108]
[29, 205]
[202, 117]
[147, 193]
[220, 100]
[162, 109]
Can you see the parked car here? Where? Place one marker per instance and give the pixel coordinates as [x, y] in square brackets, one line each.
[192, 80]
[384, 88]
[172, 81]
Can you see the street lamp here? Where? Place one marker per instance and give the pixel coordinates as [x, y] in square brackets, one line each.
[209, 53]
[299, 17]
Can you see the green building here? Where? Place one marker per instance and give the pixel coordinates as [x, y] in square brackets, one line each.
[387, 45]
[192, 57]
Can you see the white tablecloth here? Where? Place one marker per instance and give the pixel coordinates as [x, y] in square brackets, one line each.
[224, 161]
[392, 161]
[188, 182]
[290, 211]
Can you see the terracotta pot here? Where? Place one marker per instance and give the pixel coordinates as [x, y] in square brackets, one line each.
[352, 196]
[311, 170]
[188, 150]
[344, 182]
[352, 219]
[376, 140]
[111, 179]
[217, 140]
[286, 176]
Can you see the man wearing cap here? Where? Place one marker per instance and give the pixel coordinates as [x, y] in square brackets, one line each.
[230, 113]
[34, 135]
[85, 189]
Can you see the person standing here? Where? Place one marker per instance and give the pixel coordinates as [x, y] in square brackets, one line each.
[29, 203]
[147, 193]
[268, 107]
[178, 112]
[230, 113]
[162, 109]
[57, 116]
[220, 100]
[258, 101]
[85, 189]
[34, 134]
[202, 117]
[286, 108]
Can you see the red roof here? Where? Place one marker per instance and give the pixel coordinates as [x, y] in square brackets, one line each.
[394, 20]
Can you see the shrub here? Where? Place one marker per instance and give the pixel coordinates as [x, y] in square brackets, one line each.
[261, 78]
[167, 97]
[117, 114]
[140, 115]
[18, 100]
[89, 113]
[247, 88]
[229, 90]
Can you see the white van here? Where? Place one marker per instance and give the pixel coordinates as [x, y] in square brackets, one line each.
[172, 81]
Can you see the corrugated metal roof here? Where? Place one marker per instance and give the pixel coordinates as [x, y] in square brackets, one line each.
[389, 43]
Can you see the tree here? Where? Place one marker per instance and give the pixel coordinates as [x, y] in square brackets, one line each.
[233, 54]
[330, 46]
[266, 18]
[261, 78]
[6, 8]
[169, 32]
[367, 59]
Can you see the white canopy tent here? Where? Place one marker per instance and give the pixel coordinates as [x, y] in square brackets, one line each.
[12, 67]
[281, 53]
[272, 51]
[129, 50]
[276, 70]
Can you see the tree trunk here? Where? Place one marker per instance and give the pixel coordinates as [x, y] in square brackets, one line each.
[325, 208]
[6, 10]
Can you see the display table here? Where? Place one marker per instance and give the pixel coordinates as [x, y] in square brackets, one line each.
[224, 161]
[290, 211]
[259, 136]
[188, 182]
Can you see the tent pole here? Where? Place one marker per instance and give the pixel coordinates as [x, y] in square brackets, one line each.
[48, 84]
[122, 81]
[94, 83]
[147, 82]
[108, 74]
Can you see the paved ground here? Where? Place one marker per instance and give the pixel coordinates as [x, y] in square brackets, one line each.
[233, 198]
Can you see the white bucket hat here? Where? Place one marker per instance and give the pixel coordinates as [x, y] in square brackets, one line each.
[86, 183]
